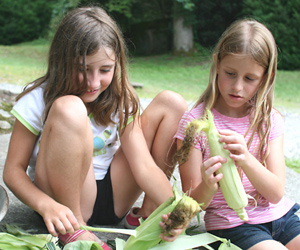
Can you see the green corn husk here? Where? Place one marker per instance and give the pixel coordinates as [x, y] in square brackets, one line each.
[16, 238]
[147, 234]
[231, 184]
[82, 245]
[10, 241]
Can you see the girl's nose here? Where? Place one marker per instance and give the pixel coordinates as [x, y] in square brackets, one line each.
[238, 84]
[94, 80]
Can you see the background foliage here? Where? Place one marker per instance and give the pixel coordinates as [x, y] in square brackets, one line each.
[23, 20]
[145, 21]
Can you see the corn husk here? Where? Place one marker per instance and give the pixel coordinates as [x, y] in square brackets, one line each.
[146, 236]
[14, 237]
[231, 183]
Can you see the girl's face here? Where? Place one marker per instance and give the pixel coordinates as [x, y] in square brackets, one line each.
[239, 78]
[100, 69]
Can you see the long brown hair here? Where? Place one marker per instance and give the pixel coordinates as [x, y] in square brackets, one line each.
[252, 38]
[83, 32]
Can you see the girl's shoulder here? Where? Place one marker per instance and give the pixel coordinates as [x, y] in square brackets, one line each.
[36, 92]
[276, 117]
[33, 97]
[277, 123]
[29, 110]
[195, 112]
[189, 116]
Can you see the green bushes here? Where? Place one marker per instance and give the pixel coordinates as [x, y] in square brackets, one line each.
[23, 20]
[282, 17]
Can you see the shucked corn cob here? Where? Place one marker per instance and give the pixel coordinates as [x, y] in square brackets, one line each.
[231, 184]
[147, 234]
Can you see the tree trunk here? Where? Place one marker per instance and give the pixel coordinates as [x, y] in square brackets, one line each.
[183, 38]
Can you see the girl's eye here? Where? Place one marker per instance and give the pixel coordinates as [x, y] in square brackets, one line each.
[81, 69]
[105, 70]
[230, 73]
[249, 78]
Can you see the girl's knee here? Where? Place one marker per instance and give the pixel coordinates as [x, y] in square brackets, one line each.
[68, 108]
[69, 114]
[173, 100]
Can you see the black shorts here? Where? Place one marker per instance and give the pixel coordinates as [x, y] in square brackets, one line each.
[104, 213]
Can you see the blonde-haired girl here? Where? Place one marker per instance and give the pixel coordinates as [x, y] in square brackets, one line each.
[240, 96]
[69, 127]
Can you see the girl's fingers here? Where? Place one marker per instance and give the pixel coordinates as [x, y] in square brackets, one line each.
[68, 227]
[213, 160]
[51, 229]
[62, 225]
[55, 226]
[217, 178]
[74, 222]
[226, 132]
[165, 217]
[172, 237]
[174, 233]
[210, 171]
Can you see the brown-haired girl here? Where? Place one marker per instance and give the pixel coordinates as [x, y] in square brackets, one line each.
[90, 153]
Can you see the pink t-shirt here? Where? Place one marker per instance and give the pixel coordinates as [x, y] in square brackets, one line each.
[218, 215]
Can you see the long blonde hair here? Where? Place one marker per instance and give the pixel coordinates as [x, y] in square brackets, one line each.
[83, 32]
[248, 37]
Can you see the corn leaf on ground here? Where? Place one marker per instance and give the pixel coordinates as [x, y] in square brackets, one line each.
[144, 237]
[16, 238]
[186, 242]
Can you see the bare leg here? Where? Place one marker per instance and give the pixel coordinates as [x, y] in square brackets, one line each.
[65, 157]
[159, 123]
[267, 245]
[169, 112]
[294, 243]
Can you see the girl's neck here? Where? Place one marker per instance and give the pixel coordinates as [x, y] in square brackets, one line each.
[233, 112]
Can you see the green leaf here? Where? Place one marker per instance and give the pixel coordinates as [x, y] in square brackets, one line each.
[109, 230]
[188, 242]
[83, 245]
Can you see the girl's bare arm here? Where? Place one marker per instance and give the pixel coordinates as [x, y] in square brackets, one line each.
[198, 178]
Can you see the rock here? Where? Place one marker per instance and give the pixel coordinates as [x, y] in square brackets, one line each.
[5, 125]
[4, 113]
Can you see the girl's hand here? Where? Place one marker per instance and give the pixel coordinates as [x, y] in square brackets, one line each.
[59, 219]
[174, 233]
[236, 145]
[208, 172]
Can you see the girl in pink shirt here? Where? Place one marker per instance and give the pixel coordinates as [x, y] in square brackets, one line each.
[240, 96]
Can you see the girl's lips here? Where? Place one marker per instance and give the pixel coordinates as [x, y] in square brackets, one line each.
[91, 92]
[235, 96]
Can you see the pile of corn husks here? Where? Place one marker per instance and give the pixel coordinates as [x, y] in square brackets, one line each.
[144, 237]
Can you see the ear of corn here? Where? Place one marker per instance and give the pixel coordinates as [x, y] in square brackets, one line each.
[231, 184]
[185, 210]
[147, 234]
